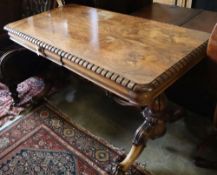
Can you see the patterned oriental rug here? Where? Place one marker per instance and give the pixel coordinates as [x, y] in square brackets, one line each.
[44, 142]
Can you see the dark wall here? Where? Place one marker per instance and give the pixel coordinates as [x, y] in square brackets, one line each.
[124, 6]
[9, 11]
[83, 2]
[205, 4]
[197, 89]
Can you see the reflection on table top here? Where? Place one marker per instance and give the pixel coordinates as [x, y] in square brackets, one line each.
[138, 49]
[134, 58]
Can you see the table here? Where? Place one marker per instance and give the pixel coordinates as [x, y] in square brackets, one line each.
[133, 58]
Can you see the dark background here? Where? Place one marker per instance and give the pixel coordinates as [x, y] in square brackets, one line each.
[205, 4]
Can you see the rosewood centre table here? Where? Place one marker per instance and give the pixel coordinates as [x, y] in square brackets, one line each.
[133, 58]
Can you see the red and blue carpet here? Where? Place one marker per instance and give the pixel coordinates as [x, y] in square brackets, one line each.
[44, 142]
[29, 91]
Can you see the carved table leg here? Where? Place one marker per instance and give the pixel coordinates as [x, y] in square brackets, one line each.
[152, 127]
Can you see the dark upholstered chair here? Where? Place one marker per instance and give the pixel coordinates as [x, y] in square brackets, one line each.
[16, 63]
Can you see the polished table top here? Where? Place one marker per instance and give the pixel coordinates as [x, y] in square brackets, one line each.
[133, 52]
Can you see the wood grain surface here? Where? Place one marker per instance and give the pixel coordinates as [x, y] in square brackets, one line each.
[133, 58]
[138, 49]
